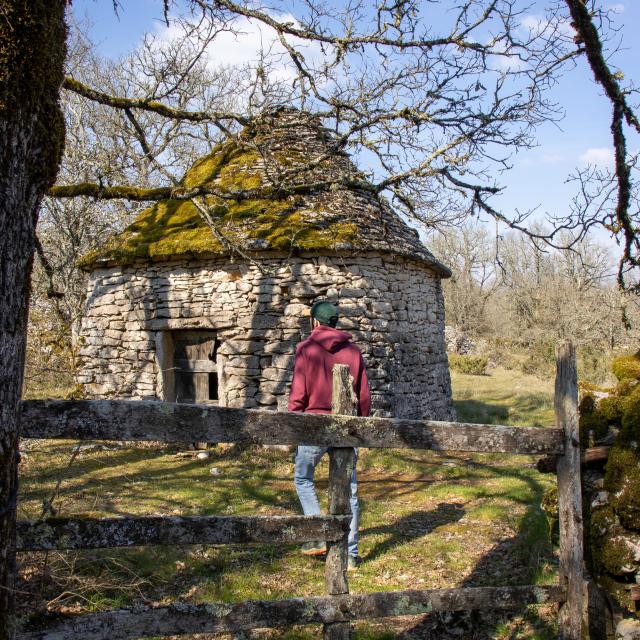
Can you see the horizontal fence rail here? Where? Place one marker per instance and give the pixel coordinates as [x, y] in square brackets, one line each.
[160, 421]
[95, 533]
[181, 618]
[169, 422]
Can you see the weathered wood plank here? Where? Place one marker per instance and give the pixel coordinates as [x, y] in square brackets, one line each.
[593, 455]
[340, 470]
[183, 618]
[569, 494]
[197, 366]
[95, 533]
[341, 461]
[145, 420]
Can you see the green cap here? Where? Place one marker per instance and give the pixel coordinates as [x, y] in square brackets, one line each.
[325, 312]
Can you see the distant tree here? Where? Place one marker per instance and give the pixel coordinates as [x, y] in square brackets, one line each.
[470, 252]
[537, 295]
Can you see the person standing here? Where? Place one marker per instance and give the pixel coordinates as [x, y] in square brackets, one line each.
[311, 391]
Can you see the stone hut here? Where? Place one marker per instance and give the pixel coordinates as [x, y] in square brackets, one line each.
[184, 310]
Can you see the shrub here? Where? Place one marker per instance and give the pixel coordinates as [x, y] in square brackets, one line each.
[541, 360]
[587, 405]
[602, 521]
[612, 409]
[627, 501]
[630, 432]
[622, 479]
[586, 387]
[625, 367]
[593, 364]
[621, 460]
[626, 387]
[594, 422]
[613, 555]
[472, 365]
[504, 358]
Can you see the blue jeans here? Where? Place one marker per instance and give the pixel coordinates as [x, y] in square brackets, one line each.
[307, 457]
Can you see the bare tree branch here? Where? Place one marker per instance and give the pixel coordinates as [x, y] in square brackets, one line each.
[149, 105]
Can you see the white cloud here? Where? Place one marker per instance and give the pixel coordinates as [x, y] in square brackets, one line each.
[538, 25]
[598, 156]
[618, 7]
[252, 43]
[508, 61]
[535, 24]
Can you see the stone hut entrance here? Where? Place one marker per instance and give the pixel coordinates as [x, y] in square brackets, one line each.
[196, 368]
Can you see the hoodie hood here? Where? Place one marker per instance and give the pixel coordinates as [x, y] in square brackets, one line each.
[330, 339]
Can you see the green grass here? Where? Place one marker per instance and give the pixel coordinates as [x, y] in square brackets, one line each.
[429, 520]
[503, 397]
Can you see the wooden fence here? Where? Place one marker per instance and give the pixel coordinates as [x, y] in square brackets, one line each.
[131, 420]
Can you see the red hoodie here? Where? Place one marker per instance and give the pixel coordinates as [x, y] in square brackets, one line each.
[312, 383]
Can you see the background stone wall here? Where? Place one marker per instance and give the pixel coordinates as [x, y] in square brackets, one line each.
[392, 306]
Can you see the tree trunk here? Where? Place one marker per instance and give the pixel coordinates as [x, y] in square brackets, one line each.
[32, 51]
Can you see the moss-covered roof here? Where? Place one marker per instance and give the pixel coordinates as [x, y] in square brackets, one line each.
[342, 219]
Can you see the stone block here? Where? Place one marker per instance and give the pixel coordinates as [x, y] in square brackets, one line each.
[283, 361]
[273, 386]
[250, 362]
[304, 290]
[266, 398]
[285, 346]
[297, 310]
[231, 347]
[352, 292]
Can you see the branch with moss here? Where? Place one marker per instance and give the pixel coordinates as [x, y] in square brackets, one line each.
[142, 194]
[100, 192]
[154, 106]
[590, 39]
[592, 46]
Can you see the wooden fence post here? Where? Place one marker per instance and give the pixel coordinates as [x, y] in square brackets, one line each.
[569, 493]
[341, 461]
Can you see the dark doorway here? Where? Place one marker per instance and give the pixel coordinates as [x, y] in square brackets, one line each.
[196, 367]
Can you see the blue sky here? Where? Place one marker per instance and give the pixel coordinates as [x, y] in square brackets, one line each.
[538, 176]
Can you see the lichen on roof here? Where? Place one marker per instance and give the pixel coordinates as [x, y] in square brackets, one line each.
[333, 220]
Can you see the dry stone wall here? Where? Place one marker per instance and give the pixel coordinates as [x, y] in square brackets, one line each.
[393, 307]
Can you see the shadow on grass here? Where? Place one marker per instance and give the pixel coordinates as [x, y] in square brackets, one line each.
[522, 559]
[110, 485]
[511, 561]
[480, 412]
[412, 526]
[521, 405]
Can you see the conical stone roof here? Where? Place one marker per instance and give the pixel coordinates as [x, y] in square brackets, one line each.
[342, 219]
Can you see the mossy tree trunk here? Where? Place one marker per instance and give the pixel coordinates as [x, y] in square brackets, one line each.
[32, 51]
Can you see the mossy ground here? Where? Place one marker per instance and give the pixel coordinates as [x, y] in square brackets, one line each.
[428, 520]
